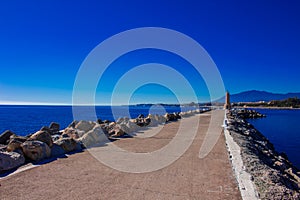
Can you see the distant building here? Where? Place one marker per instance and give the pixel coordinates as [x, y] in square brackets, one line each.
[227, 101]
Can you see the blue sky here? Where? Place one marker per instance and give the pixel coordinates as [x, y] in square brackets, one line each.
[255, 45]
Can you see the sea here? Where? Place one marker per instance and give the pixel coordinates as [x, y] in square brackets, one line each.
[282, 128]
[24, 120]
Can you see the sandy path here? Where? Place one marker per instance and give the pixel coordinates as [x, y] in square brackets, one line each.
[81, 176]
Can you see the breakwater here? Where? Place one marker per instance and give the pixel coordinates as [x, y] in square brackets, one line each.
[51, 142]
[273, 175]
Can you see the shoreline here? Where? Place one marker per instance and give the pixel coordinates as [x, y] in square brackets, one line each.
[50, 143]
[264, 107]
[272, 173]
[81, 176]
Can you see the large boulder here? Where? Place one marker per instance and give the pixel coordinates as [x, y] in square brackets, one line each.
[4, 137]
[73, 124]
[15, 143]
[85, 125]
[73, 133]
[57, 150]
[93, 137]
[43, 136]
[10, 160]
[36, 150]
[54, 127]
[116, 131]
[68, 144]
[129, 127]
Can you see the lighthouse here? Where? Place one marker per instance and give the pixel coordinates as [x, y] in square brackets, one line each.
[227, 101]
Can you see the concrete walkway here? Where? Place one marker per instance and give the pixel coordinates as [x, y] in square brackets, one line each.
[81, 176]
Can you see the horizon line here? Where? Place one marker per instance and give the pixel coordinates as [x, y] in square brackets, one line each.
[22, 103]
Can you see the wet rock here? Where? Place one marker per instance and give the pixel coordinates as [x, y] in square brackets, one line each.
[36, 150]
[5, 136]
[68, 144]
[42, 136]
[10, 160]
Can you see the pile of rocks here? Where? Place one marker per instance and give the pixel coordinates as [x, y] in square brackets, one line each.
[52, 142]
[273, 174]
[247, 114]
[48, 141]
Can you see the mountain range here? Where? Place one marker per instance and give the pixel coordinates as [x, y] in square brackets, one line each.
[255, 96]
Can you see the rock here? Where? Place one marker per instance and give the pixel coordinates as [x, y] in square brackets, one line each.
[47, 129]
[129, 127]
[68, 144]
[170, 117]
[55, 137]
[3, 147]
[73, 124]
[73, 133]
[85, 125]
[20, 138]
[116, 131]
[280, 165]
[42, 136]
[10, 160]
[4, 137]
[13, 145]
[93, 137]
[141, 116]
[54, 127]
[15, 142]
[106, 121]
[99, 121]
[57, 150]
[36, 150]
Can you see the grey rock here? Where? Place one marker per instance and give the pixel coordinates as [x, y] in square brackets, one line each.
[5, 136]
[85, 125]
[42, 136]
[36, 150]
[68, 144]
[10, 160]
[57, 150]
[55, 127]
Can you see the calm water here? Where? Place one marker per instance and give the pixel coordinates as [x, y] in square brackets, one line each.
[282, 128]
[28, 119]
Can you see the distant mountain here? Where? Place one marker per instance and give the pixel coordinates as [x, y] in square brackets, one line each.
[255, 96]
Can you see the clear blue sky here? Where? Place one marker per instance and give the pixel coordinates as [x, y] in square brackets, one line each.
[255, 44]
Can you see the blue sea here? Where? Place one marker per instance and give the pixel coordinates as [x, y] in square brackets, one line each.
[282, 128]
[24, 120]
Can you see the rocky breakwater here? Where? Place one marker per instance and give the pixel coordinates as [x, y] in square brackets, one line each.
[53, 142]
[273, 174]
